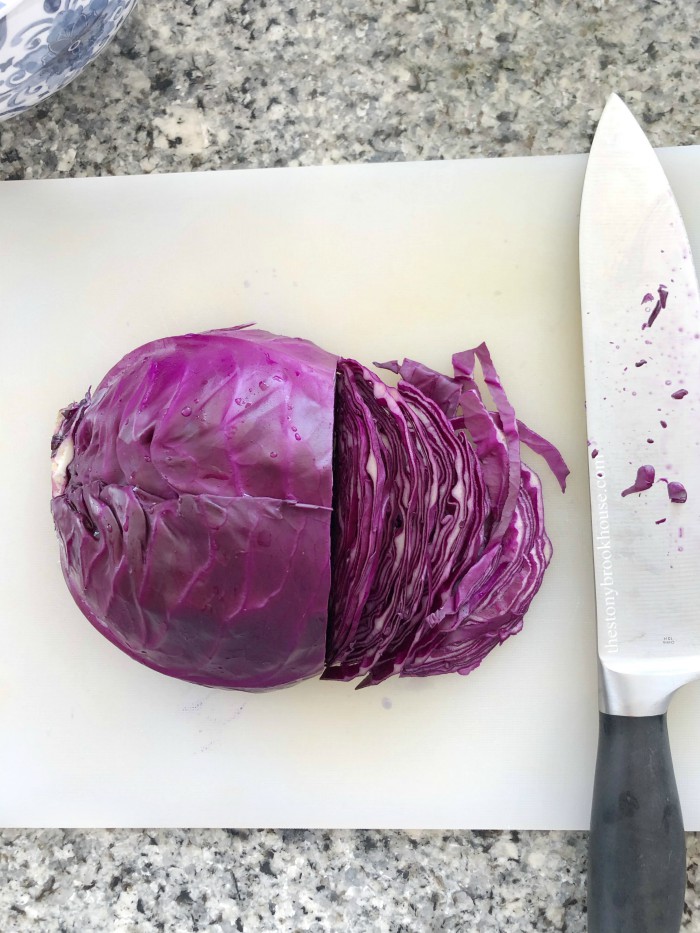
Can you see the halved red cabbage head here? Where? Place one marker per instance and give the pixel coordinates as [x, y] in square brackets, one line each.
[193, 502]
[193, 497]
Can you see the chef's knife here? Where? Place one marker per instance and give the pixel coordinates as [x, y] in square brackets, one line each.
[641, 337]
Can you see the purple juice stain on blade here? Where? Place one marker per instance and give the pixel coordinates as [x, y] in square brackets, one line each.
[644, 480]
[677, 492]
[679, 393]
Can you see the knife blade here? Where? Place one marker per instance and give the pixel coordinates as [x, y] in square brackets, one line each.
[640, 314]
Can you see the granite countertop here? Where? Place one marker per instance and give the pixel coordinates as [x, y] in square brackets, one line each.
[205, 85]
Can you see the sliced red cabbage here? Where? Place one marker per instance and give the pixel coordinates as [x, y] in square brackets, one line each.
[460, 551]
[420, 519]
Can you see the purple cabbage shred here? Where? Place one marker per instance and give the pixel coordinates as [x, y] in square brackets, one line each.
[643, 481]
[677, 492]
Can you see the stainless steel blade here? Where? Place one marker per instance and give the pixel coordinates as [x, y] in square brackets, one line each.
[634, 258]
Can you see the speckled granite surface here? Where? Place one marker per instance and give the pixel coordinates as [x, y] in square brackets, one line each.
[292, 880]
[214, 84]
[208, 84]
[223, 881]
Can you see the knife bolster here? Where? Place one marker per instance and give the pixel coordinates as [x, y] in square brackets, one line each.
[642, 688]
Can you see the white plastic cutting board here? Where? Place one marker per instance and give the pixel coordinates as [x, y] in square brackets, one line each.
[372, 261]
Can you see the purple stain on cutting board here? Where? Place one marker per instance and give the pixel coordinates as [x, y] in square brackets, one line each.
[386, 703]
[643, 481]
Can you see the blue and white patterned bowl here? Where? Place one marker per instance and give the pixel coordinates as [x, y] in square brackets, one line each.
[44, 44]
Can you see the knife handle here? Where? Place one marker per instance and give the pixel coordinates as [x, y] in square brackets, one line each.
[636, 855]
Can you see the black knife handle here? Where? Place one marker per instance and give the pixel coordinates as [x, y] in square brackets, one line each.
[636, 855]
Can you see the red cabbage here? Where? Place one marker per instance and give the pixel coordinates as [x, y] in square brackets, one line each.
[456, 548]
[195, 519]
[244, 510]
